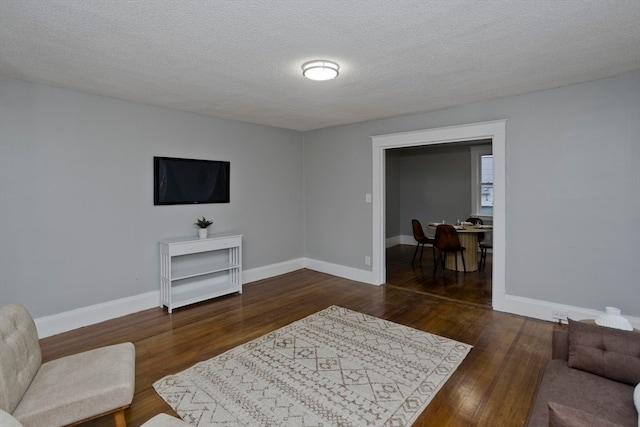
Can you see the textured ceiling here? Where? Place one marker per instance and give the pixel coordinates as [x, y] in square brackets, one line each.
[241, 59]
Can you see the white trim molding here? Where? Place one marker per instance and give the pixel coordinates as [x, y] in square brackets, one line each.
[403, 239]
[85, 316]
[272, 270]
[345, 272]
[539, 309]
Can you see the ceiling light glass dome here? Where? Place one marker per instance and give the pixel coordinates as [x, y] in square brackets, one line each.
[320, 69]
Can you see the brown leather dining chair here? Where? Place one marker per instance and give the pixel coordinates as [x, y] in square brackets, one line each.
[418, 234]
[447, 241]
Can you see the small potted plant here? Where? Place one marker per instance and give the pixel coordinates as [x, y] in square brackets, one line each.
[203, 225]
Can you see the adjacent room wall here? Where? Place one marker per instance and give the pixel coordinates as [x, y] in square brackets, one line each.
[573, 190]
[77, 221]
[426, 183]
[435, 185]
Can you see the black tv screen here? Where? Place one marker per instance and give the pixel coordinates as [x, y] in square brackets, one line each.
[189, 181]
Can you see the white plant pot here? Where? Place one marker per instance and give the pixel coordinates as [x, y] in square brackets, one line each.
[203, 233]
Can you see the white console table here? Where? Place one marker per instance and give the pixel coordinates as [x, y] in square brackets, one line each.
[194, 270]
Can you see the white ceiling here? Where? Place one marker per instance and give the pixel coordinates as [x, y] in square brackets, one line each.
[241, 59]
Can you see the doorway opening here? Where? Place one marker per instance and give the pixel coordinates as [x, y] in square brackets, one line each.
[495, 131]
[431, 184]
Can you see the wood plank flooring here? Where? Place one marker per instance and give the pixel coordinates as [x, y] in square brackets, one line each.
[418, 276]
[494, 386]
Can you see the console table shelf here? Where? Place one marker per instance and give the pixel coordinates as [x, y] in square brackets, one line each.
[199, 271]
[194, 270]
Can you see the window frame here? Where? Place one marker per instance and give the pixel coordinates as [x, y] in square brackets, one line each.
[477, 151]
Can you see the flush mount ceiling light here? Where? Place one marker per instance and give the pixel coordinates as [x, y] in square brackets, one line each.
[320, 70]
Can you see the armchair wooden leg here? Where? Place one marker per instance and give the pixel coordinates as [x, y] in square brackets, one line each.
[119, 419]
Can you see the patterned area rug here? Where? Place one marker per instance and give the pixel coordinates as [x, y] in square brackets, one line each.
[336, 367]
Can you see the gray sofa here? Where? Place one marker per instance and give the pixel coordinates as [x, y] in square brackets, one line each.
[590, 380]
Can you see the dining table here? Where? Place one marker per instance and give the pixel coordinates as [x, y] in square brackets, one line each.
[468, 236]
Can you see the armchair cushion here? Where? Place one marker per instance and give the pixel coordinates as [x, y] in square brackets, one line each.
[79, 387]
[19, 354]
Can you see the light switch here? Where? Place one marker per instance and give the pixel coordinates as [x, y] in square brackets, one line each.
[367, 197]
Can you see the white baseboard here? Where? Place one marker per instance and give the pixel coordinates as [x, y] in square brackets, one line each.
[85, 316]
[340, 271]
[74, 319]
[402, 239]
[393, 241]
[539, 309]
[272, 270]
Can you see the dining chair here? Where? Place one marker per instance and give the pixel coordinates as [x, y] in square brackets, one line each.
[484, 247]
[474, 220]
[419, 236]
[483, 244]
[477, 221]
[447, 241]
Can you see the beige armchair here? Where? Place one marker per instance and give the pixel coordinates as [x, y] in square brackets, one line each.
[160, 420]
[64, 391]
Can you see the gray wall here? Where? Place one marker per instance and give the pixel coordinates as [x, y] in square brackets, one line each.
[434, 183]
[77, 221]
[573, 190]
[74, 234]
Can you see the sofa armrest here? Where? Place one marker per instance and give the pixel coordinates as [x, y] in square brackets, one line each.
[560, 344]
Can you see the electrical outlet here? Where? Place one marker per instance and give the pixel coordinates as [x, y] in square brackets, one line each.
[367, 260]
[559, 314]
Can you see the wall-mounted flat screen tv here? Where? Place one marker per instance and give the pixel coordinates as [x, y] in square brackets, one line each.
[189, 181]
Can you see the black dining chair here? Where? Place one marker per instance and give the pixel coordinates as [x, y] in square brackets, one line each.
[447, 241]
[484, 247]
[483, 244]
[419, 236]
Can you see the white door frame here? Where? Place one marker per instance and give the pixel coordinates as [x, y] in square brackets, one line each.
[494, 130]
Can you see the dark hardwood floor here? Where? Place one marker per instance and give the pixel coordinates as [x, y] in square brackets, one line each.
[473, 287]
[494, 386]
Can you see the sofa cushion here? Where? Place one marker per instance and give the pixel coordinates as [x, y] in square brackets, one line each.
[636, 401]
[608, 399]
[566, 416]
[607, 352]
[19, 353]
